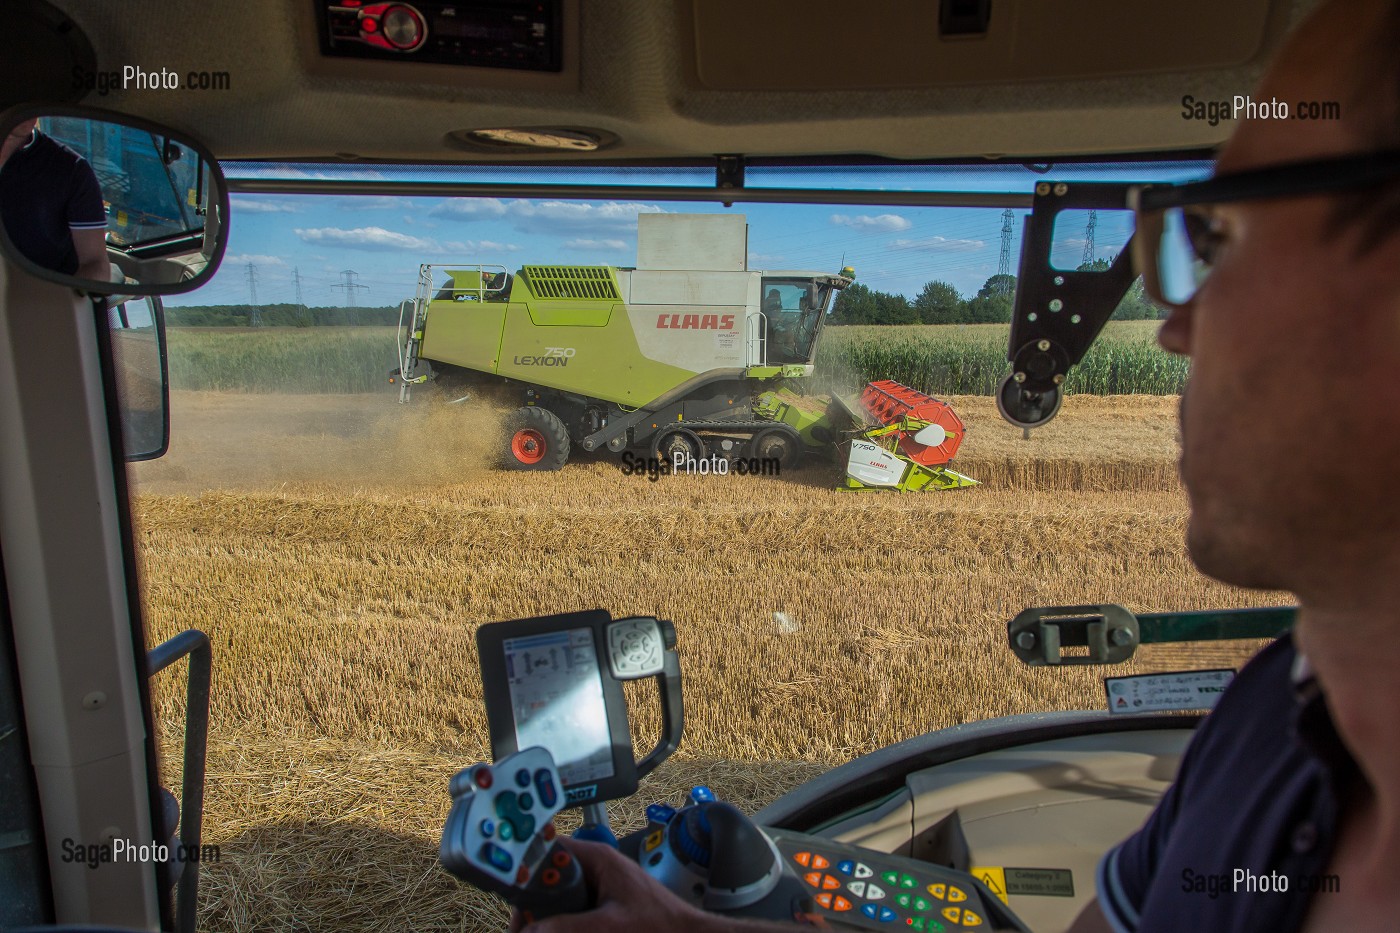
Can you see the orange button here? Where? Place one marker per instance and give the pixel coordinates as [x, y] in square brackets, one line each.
[840, 903]
[819, 862]
[824, 900]
[803, 858]
[548, 831]
[550, 877]
[561, 859]
[830, 883]
[814, 878]
[523, 875]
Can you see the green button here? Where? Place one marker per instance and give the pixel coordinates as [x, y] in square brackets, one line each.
[921, 904]
[890, 877]
[903, 900]
[505, 832]
[907, 881]
[917, 923]
[935, 926]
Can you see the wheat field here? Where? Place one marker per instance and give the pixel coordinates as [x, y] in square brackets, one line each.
[340, 552]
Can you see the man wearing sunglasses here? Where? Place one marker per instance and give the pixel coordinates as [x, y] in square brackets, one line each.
[1283, 277]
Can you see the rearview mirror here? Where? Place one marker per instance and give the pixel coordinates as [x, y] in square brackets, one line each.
[137, 326]
[108, 203]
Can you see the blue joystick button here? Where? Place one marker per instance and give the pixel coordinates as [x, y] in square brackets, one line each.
[522, 777]
[702, 794]
[886, 915]
[498, 858]
[544, 784]
[488, 828]
[846, 867]
[871, 911]
[660, 813]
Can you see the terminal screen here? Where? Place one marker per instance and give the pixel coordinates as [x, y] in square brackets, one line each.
[556, 697]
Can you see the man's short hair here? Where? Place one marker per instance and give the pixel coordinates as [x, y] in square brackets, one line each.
[1375, 210]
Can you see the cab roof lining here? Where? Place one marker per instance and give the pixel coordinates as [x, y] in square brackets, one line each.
[633, 73]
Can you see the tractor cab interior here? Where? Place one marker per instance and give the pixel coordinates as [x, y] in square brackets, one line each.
[244, 558]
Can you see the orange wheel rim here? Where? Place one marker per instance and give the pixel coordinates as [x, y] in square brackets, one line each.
[528, 445]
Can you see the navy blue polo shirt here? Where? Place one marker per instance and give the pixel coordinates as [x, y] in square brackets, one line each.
[46, 191]
[1242, 839]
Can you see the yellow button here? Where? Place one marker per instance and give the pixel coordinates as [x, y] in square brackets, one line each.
[970, 919]
[937, 890]
[953, 914]
[955, 894]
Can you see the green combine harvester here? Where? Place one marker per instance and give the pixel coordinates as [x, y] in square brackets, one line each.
[688, 359]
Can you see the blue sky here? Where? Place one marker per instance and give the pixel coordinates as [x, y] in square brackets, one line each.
[384, 239]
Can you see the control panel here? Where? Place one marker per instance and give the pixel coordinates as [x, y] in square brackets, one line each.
[858, 887]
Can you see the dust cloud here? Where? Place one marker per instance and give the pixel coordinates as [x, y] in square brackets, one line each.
[231, 440]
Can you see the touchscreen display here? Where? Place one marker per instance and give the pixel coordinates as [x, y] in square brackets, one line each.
[556, 697]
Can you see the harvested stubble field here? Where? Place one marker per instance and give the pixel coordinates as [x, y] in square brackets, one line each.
[340, 553]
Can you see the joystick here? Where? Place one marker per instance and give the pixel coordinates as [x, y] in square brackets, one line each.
[500, 835]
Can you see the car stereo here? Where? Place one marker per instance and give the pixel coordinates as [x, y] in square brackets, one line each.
[522, 34]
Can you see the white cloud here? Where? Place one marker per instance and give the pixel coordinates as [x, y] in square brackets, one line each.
[759, 259]
[550, 216]
[938, 244]
[258, 260]
[377, 239]
[375, 203]
[369, 238]
[251, 204]
[883, 223]
[584, 243]
[469, 209]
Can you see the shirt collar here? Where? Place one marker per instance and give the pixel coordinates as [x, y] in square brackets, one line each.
[1312, 721]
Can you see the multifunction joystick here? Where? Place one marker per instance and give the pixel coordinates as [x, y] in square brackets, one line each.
[500, 835]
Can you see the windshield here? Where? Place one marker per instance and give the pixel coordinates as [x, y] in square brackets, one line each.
[340, 546]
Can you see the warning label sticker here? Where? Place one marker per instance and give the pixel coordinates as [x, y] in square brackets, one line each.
[994, 878]
[1154, 693]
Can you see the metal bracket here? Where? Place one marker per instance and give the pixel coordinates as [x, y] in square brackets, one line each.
[1112, 633]
[1109, 631]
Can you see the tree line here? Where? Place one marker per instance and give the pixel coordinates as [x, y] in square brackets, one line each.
[940, 303]
[281, 315]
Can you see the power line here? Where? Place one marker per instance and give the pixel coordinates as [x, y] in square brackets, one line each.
[349, 285]
[1089, 237]
[254, 312]
[1004, 263]
[301, 305]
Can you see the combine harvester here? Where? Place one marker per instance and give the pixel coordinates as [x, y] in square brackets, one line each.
[688, 359]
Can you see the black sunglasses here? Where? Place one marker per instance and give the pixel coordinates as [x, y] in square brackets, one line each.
[1170, 243]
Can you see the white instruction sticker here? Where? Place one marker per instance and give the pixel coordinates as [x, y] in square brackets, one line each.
[1153, 693]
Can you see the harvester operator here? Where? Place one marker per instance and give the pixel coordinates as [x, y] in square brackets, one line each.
[1296, 773]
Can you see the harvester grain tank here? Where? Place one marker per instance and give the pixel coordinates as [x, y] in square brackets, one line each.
[688, 355]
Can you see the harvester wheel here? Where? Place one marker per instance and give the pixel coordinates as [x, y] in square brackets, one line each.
[538, 440]
[672, 441]
[778, 445]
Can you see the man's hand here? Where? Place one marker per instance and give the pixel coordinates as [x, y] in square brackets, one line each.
[626, 897]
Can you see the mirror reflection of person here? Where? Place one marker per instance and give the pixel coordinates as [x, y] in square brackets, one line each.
[51, 204]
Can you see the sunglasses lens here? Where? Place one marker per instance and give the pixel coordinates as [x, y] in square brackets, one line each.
[1181, 267]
